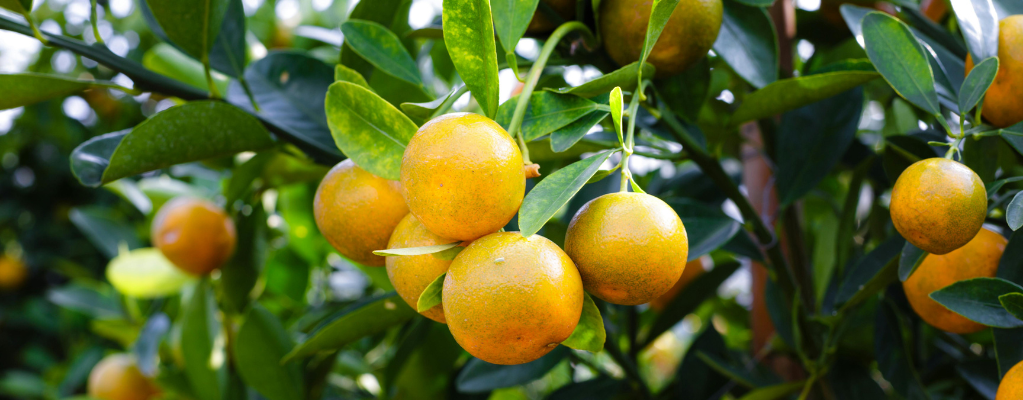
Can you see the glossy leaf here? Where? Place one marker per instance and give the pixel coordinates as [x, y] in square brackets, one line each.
[556, 190]
[479, 376]
[345, 74]
[1014, 212]
[382, 48]
[689, 299]
[511, 18]
[900, 59]
[423, 111]
[290, 88]
[994, 187]
[563, 138]
[29, 88]
[229, 48]
[600, 388]
[199, 329]
[976, 84]
[893, 357]
[660, 12]
[707, 228]
[1013, 303]
[910, 259]
[192, 25]
[469, 38]
[792, 93]
[416, 251]
[853, 16]
[367, 317]
[624, 77]
[616, 104]
[146, 273]
[171, 62]
[978, 21]
[546, 113]
[432, 295]
[368, 129]
[977, 300]
[147, 345]
[748, 43]
[105, 232]
[589, 333]
[871, 273]
[260, 344]
[686, 92]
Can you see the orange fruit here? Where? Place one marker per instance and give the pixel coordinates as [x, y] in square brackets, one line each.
[935, 10]
[630, 247]
[540, 23]
[117, 378]
[357, 211]
[938, 205]
[693, 269]
[510, 300]
[689, 34]
[979, 258]
[194, 234]
[12, 273]
[410, 275]
[1011, 386]
[1002, 101]
[462, 176]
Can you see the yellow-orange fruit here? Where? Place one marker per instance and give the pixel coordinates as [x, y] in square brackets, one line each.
[117, 378]
[689, 34]
[540, 23]
[195, 235]
[1003, 99]
[693, 269]
[410, 275]
[1011, 386]
[12, 273]
[630, 248]
[976, 259]
[938, 205]
[462, 176]
[510, 300]
[357, 211]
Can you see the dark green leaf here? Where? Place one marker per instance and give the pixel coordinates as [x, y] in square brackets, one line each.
[600, 388]
[872, 273]
[78, 371]
[902, 151]
[86, 300]
[229, 49]
[192, 25]
[741, 374]
[982, 374]
[511, 18]
[1014, 212]
[685, 93]
[239, 275]
[976, 84]
[977, 300]
[554, 191]
[994, 187]
[433, 295]
[382, 48]
[792, 93]
[624, 77]
[1013, 303]
[479, 376]
[343, 73]
[812, 145]
[367, 317]
[563, 138]
[259, 346]
[1008, 348]
[689, 299]
[748, 43]
[701, 381]
[547, 112]
[978, 21]
[29, 88]
[589, 334]
[147, 345]
[199, 329]
[368, 129]
[469, 38]
[910, 259]
[852, 381]
[416, 251]
[853, 16]
[1010, 267]
[707, 228]
[103, 230]
[900, 59]
[893, 358]
[18, 6]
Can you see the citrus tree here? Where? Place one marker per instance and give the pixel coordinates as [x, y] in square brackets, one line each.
[511, 199]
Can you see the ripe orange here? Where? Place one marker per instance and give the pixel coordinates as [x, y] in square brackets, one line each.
[689, 34]
[117, 378]
[692, 271]
[462, 176]
[510, 300]
[976, 259]
[630, 247]
[1002, 102]
[196, 235]
[540, 23]
[1011, 386]
[12, 273]
[938, 205]
[357, 211]
[410, 275]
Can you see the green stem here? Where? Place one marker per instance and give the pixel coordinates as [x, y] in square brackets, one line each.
[214, 93]
[95, 23]
[954, 148]
[35, 29]
[248, 92]
[444, 107]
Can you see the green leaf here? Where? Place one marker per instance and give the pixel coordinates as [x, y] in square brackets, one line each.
[685, 93]
[103, 230]
[563, 138]
[976, 84]
[29, 88]
[1013, 303]
[748, 43]
[449, 254]
[345, 74]
[740, 374]
[245, 174]
[468, 35]
[239, 274]
[977, 300]
[18, 6]
[147, 346]
[556, 190]
[774, 392]
[168, 61]
[704, 382]
[195, 131]
[910, 260]
[382, 48]
[146, 273]
[199, 329]
[424, 111]
[1014, 212]
[547, 112]
[367, 317]
[416, 251]
[978, 21]
[87, 300]
[981, 374]
[660, 12]
[192, 25]
[901, 151]
[624, 77]
[602, 387]
[368, 129]
[994, 187]
[229, 48]
[432, 296]
[479, 376]
[511, 19]
[689, 299]
[708, 228]
[589, 334]
[616, 103]
[792, 93]
[899, 57]
[893, 357]
[260, 344]
[871, 273]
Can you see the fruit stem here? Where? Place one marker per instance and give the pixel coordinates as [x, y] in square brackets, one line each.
[515, 126]
[214, 93]
[35, 29]
[954, 148]
[630, 136]
[95, 22]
